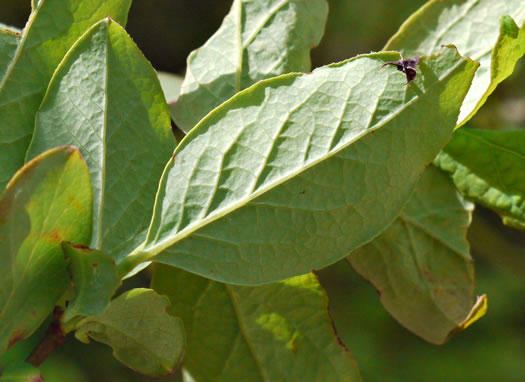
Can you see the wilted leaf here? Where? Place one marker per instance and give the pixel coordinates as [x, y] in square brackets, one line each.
[295, 172]
[257, 40]
[277, 332]
[142, 334]
[488, 167]
[472, 26]
[95, 278]
[48, 201]
[421, 264]
[106, 99]
[51, 30]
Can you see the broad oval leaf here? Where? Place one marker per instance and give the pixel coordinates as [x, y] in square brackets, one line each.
[51, 30]
[421, 264]
[472, 26]
[142, 334]
[276, 332]
[106, 99]
[487, 167]
[257, 40]
[95, 280]
[295, 172]
[48, 201]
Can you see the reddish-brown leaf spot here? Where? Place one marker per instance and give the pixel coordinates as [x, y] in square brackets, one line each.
[15, 338]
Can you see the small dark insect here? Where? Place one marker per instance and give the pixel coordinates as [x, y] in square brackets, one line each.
[407, 66]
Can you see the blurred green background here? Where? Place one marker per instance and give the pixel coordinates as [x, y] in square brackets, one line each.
[493, 349]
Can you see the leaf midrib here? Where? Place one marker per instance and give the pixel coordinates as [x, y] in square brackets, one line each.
[103, 160]
[451, 24]
[162, 245]
[244, 332]
[429, 232]
[242, 46]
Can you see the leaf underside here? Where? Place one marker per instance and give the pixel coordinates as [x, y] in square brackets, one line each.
[257, 40]
[477, 29]
[51, 30]
[421, 264]
[105, 98]
[295, 172]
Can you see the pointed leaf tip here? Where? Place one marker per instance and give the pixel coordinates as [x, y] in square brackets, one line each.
[478, 310]
[105, 97]
[52, 29]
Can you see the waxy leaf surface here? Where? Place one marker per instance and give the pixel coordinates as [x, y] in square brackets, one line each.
[421, 264]
[257, 40]
[95, 279]
[472, 26]
[488, 167]
[276, 332]
[105, 98]
[293, 173]
[51, 30]
[142, 334]
[48, 201]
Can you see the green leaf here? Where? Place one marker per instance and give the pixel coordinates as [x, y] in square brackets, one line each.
[51, 30]
[9, 40]
[472, 26]
[48, 201]
[509, 48]
[257, 40]
[277, 332]
[105, 98]
[487, 167]
[95, 278]
[171, 84]
[21, 372]
[9, 28]
[23, 349]
[142, 334]
[421, 264]
[295, 172]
